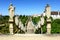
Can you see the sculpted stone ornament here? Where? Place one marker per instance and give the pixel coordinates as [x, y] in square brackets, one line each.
[11, 11]
[42, 22]
[48, 11]
[11, 15]
[48, 14]
[17, 20]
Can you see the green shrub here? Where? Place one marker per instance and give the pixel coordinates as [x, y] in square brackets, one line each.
[55, 26]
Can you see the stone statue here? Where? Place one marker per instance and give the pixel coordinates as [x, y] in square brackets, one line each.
[11, 11]
[48, 11]
[48, 14]
[11, 15]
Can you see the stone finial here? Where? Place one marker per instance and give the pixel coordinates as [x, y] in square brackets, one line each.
[48, 11]
[11, 11]
[47, 5]
[11, 7]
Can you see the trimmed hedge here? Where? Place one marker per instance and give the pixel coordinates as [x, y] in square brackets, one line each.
[55, 26]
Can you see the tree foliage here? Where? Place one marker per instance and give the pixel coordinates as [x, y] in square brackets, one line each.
[4, 20]
[36, 19]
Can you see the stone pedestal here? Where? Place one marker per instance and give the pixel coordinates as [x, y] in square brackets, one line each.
[48, 26]
[11, 26]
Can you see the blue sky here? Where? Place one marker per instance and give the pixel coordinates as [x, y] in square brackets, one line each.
[28, 7]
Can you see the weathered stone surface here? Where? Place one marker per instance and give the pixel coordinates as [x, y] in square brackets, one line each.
[48, 26]
[11, 15]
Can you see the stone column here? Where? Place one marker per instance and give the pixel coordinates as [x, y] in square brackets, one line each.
[48, 14]
[11, 27]
[48, 26]
[11, 15]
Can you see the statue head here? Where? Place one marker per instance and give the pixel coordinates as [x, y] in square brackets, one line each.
[11, 4]
[47, 5]
[11, 7]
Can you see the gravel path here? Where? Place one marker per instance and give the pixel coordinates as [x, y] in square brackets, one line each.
[30, 37]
